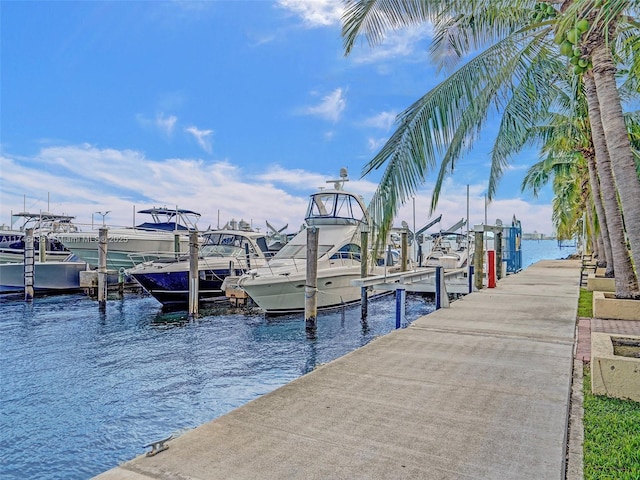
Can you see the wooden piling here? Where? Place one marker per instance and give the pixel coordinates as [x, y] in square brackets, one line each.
[29, 265]
[102, 266]
[311, 284]
[478, 258]
[42, 250]
[498, 247]
[194, 285]
[405, 251]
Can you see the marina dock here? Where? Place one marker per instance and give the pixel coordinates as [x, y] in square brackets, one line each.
[478, 390]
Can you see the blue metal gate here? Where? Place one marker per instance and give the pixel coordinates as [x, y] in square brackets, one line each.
[511, 246]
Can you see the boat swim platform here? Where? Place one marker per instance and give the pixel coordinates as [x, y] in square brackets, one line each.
[479, 390]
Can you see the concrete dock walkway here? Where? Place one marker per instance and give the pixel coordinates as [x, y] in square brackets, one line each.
[479, 390]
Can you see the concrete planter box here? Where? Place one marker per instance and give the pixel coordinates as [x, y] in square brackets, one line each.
[597, 283]
[606, 305]
[614, 375]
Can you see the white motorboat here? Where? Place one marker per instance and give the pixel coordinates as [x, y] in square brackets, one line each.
[340, 217]
[46, 247]
[230, 251]
[448, 249]
[167, 235]
[52, 276]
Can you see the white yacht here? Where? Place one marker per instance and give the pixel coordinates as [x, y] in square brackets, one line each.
[166, 235]
[45, 225]
[279, 286]
[448, 248]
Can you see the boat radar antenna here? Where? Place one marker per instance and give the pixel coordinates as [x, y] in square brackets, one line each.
[338, 184]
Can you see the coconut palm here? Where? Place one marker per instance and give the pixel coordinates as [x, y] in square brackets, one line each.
[442, 125]
[571, 191]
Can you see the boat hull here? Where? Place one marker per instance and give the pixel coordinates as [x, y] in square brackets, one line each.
[286, 294]
[48, 276]
[172, 288]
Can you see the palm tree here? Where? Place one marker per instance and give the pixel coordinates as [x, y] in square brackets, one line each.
[605, 19]
[442, 125]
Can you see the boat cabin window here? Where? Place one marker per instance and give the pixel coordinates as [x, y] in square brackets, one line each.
[333, 206]
[225, 244]
[349, 251]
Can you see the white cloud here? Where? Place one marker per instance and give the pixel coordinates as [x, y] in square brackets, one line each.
[383, 120]
[315, 13]
[202, 137]
[374, 144]
[166, 124]
[409, 42]
[88, 179]
[453, 206]
[330, 108]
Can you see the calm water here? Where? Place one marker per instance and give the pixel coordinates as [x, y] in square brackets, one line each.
[83, 390]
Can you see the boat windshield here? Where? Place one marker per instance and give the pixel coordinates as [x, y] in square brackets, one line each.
[299, 251]
[225, 245]
[334, 208]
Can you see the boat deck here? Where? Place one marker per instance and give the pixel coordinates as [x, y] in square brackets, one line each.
[478, 390]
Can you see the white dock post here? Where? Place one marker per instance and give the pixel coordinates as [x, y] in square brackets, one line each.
[102, 266]
[364, 259]
[442, 296]
[29, 265]
[194, 286]
[311, 284]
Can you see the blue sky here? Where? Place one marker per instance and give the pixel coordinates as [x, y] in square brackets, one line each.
[235, 109]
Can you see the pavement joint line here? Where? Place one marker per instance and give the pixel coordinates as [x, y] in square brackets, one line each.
[481, 333]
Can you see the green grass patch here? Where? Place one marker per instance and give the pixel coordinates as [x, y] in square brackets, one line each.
[585, 303]
[611, 436]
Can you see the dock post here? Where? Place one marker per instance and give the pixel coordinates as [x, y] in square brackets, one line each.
[364, 260]
[405, 248]
[401, 295]
[29, 265]
[193, 274]
[42, 250]
[102, 266]
[498, 247]
[121, 276]
[438, 288]
[311, 284]
[247, 255]
[491, 269]
[470, 278]
[478, 258]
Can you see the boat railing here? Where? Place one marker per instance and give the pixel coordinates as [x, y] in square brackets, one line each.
[138, 258]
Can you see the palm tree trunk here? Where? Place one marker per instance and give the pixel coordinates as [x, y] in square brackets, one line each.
[602, 262]
[625, 280]
[600, 213]
[593, 236]
[616, 136]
